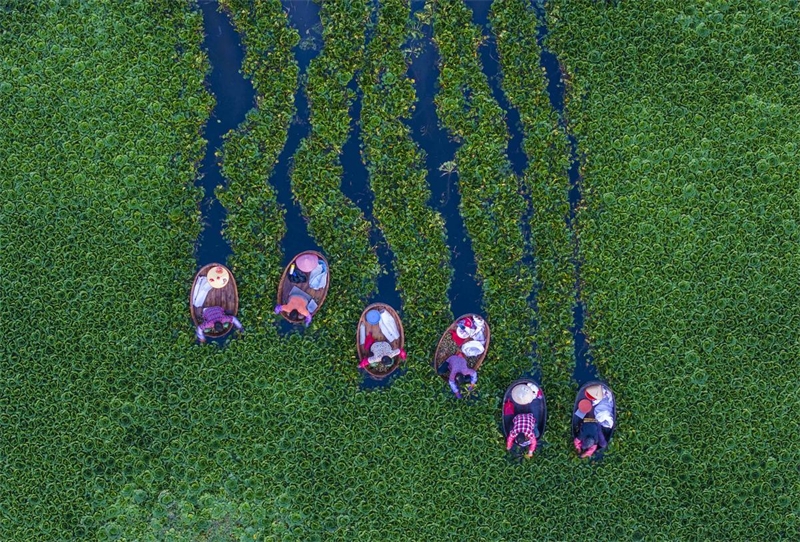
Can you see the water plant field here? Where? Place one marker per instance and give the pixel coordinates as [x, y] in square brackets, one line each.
[116, 425]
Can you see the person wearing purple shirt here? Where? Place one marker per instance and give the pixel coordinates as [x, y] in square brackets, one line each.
[458, 366]
[214, 318]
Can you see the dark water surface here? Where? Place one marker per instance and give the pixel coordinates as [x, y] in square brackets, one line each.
[234, 98]
[355, 185]
[465, 291]
[304, 17]
[584, 363]
[490, 60]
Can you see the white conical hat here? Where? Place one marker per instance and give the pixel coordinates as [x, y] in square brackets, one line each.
[472, 348]
[523, 394]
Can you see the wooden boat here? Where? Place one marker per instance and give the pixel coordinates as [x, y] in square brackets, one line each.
[576, 420]
[447, 346]
[226, 297]
[537, 407]
[364, 328]
[285, 286]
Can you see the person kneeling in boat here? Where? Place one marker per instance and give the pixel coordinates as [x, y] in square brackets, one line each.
[382, 352]
[590, 438]
[458, 367]
[215, 318]
[523, 433]
[296, 306]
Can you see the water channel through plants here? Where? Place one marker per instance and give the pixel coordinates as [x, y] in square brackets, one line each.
[235, 96]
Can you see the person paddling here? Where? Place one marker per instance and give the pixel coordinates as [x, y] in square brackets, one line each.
[215, 318]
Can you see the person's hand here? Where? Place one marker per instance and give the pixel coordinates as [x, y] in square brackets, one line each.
[307, 320]
[278, 309]
[458, 394]
[470, 387]
[403, 354]
[532, 447]
[577, 443]
[590, 451]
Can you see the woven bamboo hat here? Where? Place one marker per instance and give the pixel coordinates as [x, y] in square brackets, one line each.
[594, 392]
[218, 277]
[524, 394]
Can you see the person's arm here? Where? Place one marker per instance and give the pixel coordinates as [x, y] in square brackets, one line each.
[199, 334]
[453, 386]
[307, 320]
[601, 439]
[511, 436]
[532, 447]
[236, 322]
[403, 354]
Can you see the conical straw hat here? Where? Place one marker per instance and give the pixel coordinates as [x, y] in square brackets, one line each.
[594, 392]
[218, 277]
[524, 394]
[307, 262]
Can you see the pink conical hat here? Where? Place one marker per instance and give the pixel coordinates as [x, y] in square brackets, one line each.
[307, 262]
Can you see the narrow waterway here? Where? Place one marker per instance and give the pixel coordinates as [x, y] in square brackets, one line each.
[466, 294]
[490, 60]
[234, 98]
[305, 18]
[490, 63]
[585, 369]
[355, 185]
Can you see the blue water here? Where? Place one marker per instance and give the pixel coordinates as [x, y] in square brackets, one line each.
[465, 291]
[490, 62]
[585, 369]
[304, 17]
[491, 68]
[234, 98]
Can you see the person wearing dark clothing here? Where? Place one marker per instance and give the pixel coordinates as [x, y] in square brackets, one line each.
[590, 437]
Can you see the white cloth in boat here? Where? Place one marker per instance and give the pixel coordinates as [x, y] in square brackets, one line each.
[201, 289]
[388, 327]
[604, 412]
[318, 277]
[311, 304]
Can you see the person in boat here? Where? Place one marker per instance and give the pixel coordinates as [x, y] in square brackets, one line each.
[382, 352]
[590, 437]
[523, 433]
[215, 318]
[595, 411]
[296, 307]
[459, 368]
